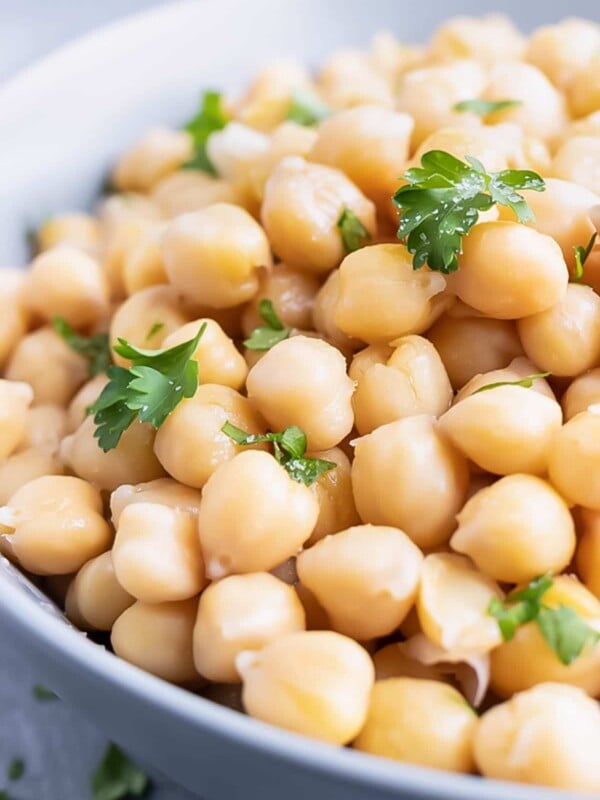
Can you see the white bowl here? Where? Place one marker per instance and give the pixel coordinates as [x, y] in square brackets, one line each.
[61, 123]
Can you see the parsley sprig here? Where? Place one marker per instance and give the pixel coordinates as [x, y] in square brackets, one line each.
[443, 199]
[289, 447]
[93, 348]
[306, 108]
[581, 256]
[526, 382]
[271, 333]
[485, 107]
[354, 233]
[117, 778]
[210, 118]
[564, 631]
[149, 390]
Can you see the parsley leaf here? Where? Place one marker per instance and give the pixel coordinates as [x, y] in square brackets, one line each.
[4, 795]
[289, 448]
[581, 256]
[526, 382]
[156, 328]
[354, 233]
[42, 693]
[94, 348]
[116, 777]
[271, 333]
[306, 108]
[485, 107]
[149, 390]
[16, 768]
[442, 201]
[210, 118]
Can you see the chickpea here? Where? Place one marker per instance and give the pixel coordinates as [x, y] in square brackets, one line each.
[190, 443]
[303, 381]
[382, 277]
[546, 735]
[15, 399]
[95, 599]
[323, 316]
[443, 738]
[55, 524]
[516, 529]
[45, 427]
[487, 39]
[501, 262]
[518, 368]
[574, 459]
[75, 229]
[408, 380]
[288, 139]
[46, 362]
[584, 91]
[266, 103]
[578, 160]
[85, 397]
[190, 190]
[164, 491]
[143, 265]
[13, 314]
[157, 637]
[348, 79]
[333, 490]
[212, 256]
[253, 515]
[561, 50]
[483, 143]
[583, 392]
[300, 211]
[587, 557]
[292, 292]
[159, 153]
[585, 126]
[392, 58]
[312, 682]
[392, 662]
[241, 613]
[132, 459]
[234, 148]
[156, 554]
[407, 475]
[365, 596]
[24, 466]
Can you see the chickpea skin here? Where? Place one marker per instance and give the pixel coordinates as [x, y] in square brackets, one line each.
[95, 599]
[574, 460]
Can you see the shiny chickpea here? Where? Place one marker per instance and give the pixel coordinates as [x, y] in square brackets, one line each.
[265, 104]
[55, 524]
[443, 738]
[547, 735]
[159, 153]
[333, 490]
[407, 475]
[288, 139]
[253, 515]
[483, 143]
[584, 91]
[316, 683]
[190, 190]
[347, 79]
[95, 599]
[241, 613]
[15, 399]
[585, 126]
[158, 639]
[516, 529]
[88, 394]
[233, 149]
[190, 443]
[382, 277]
[143, 265]
[300, 211]
[575, 459]
[583, 392]
[46, 426]
[24, 466]
[578, 160]
[487, 39]
[408, 380]
[164, 491]
[501, 262]
[587, 557]
[561, 50]
[302, 381]
[75, 229]
[14, 317]
[323, 315]
[292, 292]
[365, 578]
[518, 369]
[46, 362]
[213, 256]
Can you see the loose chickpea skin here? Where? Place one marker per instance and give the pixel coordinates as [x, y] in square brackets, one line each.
[312, 682]
[14, 317]
[253, 516]
[159, 153]
[240, 613]
[365, 578]
[407, 475]
[292, 292]
[95, 599]
[575, 458]
[547, 735]
[583, 392]
[408, 380]
[443, 738]
[300, 211]
[303, 381]
[333, 490]
[516, 529]
[75, 229]
[157, 637]
[578, 160]
[164, 491]
[15, 399]
[55, 524]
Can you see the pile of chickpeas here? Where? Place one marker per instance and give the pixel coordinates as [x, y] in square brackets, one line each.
[353, 610]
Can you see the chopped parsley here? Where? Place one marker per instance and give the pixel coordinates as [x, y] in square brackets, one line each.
[271, 333]
[485, 107]
[93, 348]
[354, 233]
[117, 778]
[526, 382]
[306, 108]
[210, 118]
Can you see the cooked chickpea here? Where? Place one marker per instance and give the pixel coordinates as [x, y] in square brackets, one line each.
[233, 149]
[312, 682]
[302, 381]
[190, 190]
[323, 316]
[407, 475]
[268, 98]
[547, 735]
[516, 529]
[347, 79]
[55, 524]
[583, 392]
[408, 380]
[587, 557]
[292, 292]
[585, 126]
[143, 265]
[213, 256]
[392, 662]
[190, 443]
[575, 458]
[365, 578]
[88, 394]
[253, 515]
[483, 143]
[333, 490]
[518, 369]
[77, 230]
[157, 637]
[15, 399]
[584, 91]
[46, 426]
[164, 491]
[487, 39]
[158, 154]
[300, 211]
[561, 50]
[95, 599]
[240, 613]
[14, 317]
[24, 466]
[578, 160]
[288, 139]
[443, 738]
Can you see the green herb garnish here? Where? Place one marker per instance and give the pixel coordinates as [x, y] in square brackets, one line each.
[442, 201]
[306, 108]
[16, 768]
[42, 693]
[156, 328]
[581, 256]
[269, 334]
[149, 390]
[564, 631]
[526, 382]
[116, 777]
[485, 107]
[209, 119]
[94, 348]
[354, 233]
[289, 448]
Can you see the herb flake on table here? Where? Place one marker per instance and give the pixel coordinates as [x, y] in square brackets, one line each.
[43, 694]
[16, 769]
[117, 777]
